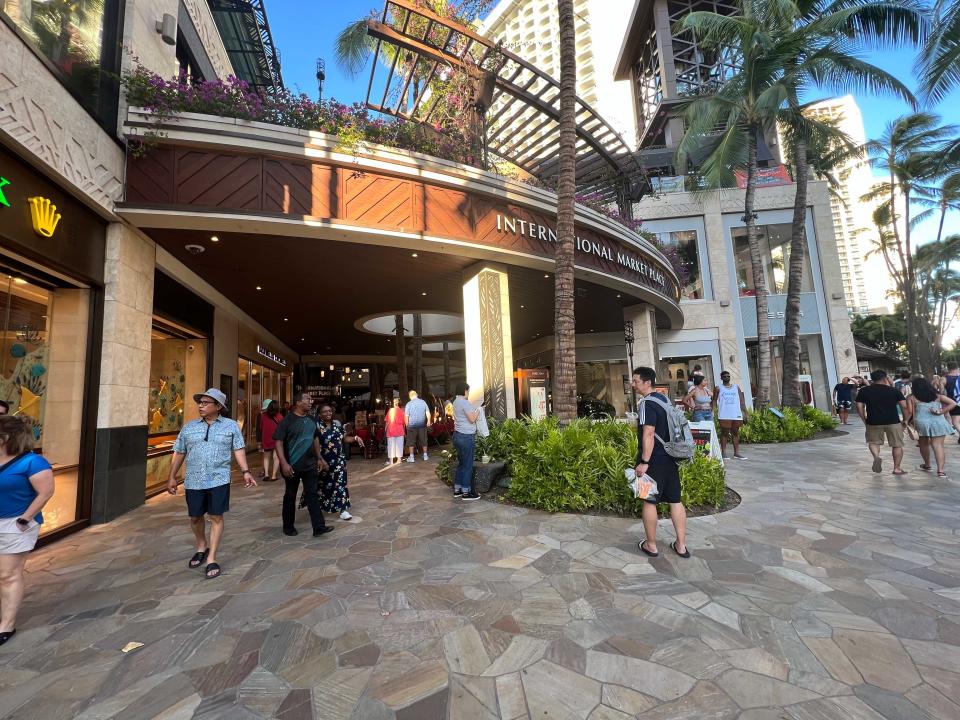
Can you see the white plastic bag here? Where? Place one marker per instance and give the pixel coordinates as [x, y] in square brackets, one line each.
[644, 487]
[483, 430]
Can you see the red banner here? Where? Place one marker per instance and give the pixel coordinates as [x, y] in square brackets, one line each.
[765, 177]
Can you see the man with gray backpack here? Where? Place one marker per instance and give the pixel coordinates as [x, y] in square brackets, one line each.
[664, 438]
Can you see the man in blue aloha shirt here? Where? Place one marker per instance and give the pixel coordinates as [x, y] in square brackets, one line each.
[206, 444]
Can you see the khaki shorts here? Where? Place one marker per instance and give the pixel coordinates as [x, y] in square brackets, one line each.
[730, 424]
[893, 434]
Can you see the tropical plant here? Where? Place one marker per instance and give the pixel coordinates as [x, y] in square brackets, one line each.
[763, 426]
[939, 62]
[912, 151]
[828, 36]
[564, 325]
[886, 333]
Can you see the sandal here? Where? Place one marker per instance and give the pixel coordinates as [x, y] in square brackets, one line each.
[212, 568]
[198, 559]
[645, 551]
[927, 468]
[941, 474]
[684, 554]
[4, 636]
[900, 472]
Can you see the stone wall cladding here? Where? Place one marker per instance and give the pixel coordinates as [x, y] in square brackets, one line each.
[39, 115]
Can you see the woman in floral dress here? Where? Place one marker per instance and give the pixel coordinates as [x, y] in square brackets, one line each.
[335, 497]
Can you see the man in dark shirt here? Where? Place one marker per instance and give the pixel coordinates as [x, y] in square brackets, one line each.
[653, 460]
[885, 413]
[299, 451]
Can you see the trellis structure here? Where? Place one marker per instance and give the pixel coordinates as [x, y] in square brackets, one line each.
[248, 41]
[417, 52]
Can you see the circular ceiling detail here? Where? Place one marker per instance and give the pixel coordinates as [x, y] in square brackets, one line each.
[438, 346]
[435, 324]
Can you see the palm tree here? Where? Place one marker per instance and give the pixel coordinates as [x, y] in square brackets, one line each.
[829, 34]
[564, 325]
[939, 63]
[911, 151]
[744, 108]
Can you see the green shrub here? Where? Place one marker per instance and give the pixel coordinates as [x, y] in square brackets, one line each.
[447, 466]
[703, 481]
[765, 427]
[823, 420]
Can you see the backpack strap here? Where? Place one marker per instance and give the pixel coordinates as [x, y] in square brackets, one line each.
[666, 409]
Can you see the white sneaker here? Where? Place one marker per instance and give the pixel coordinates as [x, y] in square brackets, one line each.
[426, 457]
[389, 462]
[345, 515]
[409, 459]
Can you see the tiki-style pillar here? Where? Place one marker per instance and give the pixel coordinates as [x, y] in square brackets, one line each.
[401, 357]
[489, 346]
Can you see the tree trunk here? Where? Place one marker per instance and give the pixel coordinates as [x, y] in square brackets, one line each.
[564, 318]
[401, 357]
[762, 397]
[791, 396]
[446, 371]
[418, 352]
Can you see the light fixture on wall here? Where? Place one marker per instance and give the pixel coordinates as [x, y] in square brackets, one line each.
[167, 29]
[724, 303]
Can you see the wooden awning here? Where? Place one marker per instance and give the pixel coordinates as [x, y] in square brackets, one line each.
[415, 52]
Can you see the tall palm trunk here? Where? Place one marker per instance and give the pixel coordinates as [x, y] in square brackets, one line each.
[417, 350]
[446, 371]
[564, 322]
[791, 396]
[401, 357]
[762, 397]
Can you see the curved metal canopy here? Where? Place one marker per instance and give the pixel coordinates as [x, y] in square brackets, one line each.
[415, 50]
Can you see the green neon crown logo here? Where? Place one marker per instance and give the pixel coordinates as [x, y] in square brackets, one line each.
[3, 200]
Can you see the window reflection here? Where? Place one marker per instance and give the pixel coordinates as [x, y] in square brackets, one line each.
[774, 241]
[685, 244]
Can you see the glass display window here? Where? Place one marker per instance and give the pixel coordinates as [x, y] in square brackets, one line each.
[255, 384]
[43, 354]
[774, 243]
[687, 249]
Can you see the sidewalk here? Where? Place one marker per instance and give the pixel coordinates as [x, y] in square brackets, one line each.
[830, 592]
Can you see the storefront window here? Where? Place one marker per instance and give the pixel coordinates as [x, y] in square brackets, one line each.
[685, 242]
[70, 36]
[42, 370]
[774, 243]
[178, 370]
[255, 384]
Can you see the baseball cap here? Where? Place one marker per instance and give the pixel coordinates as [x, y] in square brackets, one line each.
[266, 404]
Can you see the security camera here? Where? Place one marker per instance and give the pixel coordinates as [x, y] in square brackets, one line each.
[194, 249]
[190, 348]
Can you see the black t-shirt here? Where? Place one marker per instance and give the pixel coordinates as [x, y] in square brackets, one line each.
[844, 392]
[881, 403]
[652, 414]
[297, 435]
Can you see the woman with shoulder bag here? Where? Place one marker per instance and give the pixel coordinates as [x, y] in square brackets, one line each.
[26, 485]
[929, 410]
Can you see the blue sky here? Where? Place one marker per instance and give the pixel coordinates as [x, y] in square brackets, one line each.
[301, 40]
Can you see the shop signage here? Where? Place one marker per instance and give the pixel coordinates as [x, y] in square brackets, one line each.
[765, 177]
[270, 355]
[586, 246]
[44, 215]
[3, 199]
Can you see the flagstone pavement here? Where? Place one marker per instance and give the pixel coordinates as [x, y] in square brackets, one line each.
[830, 592]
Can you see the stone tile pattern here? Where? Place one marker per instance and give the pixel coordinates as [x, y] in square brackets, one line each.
[829, 592]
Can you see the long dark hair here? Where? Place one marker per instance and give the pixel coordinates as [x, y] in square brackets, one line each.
[273, 408]
[922, 389]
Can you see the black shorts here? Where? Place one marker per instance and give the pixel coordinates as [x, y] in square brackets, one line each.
[955, 411]
[211, 501]
[667, 475]
[417, 436]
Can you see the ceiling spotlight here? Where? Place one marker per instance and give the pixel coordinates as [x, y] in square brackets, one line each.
[259, 288]
[522, 306]
[424, 294]
[323, 373]
[546, 275]
[618, 294]
[19, 281]
[302, 339]
[332, 368]
[286, 319]
[413, 255]
[214, 238]
[347, 370]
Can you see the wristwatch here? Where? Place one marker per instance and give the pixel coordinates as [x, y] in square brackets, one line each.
[22, 522]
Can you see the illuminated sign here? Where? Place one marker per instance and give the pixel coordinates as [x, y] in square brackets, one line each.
[270, 355]
[536, 231]
[3, 200]
[44, 215]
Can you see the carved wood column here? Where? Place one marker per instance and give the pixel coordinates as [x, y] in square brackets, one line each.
[489, 345]
[401, 357]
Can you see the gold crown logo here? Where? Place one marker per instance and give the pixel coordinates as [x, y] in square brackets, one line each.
[45, 216]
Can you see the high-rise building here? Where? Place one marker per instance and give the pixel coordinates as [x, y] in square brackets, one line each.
[528, 28]
[866, 278]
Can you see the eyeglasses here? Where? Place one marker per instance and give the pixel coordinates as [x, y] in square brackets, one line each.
[206, 402]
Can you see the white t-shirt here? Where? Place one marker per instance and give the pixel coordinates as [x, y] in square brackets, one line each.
[728, 403]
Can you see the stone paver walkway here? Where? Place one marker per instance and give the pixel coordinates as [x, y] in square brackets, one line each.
[828, 593]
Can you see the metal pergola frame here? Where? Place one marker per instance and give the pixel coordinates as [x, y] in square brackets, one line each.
[248, 41]
[523, 96]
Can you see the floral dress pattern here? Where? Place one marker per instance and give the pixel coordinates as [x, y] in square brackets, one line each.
[335, 497]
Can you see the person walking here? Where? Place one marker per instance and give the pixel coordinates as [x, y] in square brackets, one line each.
[930, 410]
[26, 485]
[903, 383]
[464, 439]
[332, 436]
[298, 449]
[206, 444]
[731, 411]
[654, 461]
[267, 425]
[396, 428]
[843, 399]
[885, 413]
[699, 399]
[418, 419]
[951, 388]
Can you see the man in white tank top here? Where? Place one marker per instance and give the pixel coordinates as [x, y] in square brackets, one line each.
[730, 409]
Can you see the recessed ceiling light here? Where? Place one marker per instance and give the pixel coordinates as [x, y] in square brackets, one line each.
[214, 238]
[546, 275]
[286, 319]
[333, 367]
[302, 339]
[259, 288]
[521, 307]
[413, 255]
[424, 294]
[618, 294]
